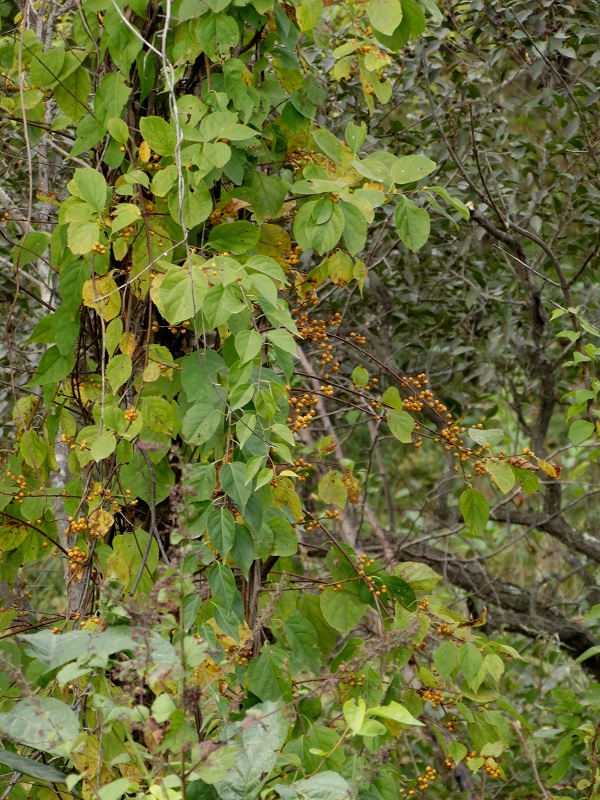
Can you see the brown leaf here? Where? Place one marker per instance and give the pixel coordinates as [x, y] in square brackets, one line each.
[521, 463]
[233, 206]
[352, 487]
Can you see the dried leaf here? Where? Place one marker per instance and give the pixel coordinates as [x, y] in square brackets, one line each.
[521, 463]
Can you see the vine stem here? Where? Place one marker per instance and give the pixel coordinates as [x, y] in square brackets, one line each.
[531, 759]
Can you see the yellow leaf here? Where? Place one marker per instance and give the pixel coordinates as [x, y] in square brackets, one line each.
[100, 522]
[102, 294]
[144, 152]
[85, 757]
[475, 623]
[127, 344]
[549, 469]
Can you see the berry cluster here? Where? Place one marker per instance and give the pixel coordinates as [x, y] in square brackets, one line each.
[76, 526]
[423, 781]
[126, 232]
[491, 768]
[99, 248]
[452, 724]
[297, 405]
[444, 630]
[435, 697]
[353, 679]
[153, 162]
[292, 258]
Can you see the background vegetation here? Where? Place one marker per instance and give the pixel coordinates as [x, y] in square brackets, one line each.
[299, 429]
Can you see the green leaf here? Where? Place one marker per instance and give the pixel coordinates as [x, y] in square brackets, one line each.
[27, 766]
[202, 479]
[591, 651]
[421, 577]
[409, 169]
[217, 34]
[328, 143]
[341, 268]
[235, 237]
[285, 541]
[82, 236]
[401, 425]
[118, 130]
[43, 723]
[482, 437]
[222, 584]
[360, 376]
[355, 714]
[30, 248]
[469, 660]
[303, 641]
[261, 735]
[182, 291]
[502, 475]
[355, 136]
[32, 449]
[385, 15]
[224, 125]
[232, 477]
[103, 446]
[325, 785]
[159, 134]
[309, 13]
[164, 180]
[396, 712]
[118, 370]
[453, 201]
[445, 659]
[580, 431]
[221, 530]
[248, 345]
[89, 185]
[332, 489]
[284, 341]
[527, 479]
[269, 675]
[53, 367]
[475, 510]
[412, 224]
[494, 665]
[342, 610]
[200, 422]
[158, 414]
[270, 194]
[458, 751]
[115, 789]
[321, 236]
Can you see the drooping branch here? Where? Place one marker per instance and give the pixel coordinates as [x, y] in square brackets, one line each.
[514, 608]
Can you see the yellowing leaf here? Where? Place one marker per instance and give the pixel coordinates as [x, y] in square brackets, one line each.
[127, 344]
[144, 152]
[548, 468]
[99, 523]
[102, 294]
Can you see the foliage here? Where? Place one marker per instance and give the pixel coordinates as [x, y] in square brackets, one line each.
[213, 625]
